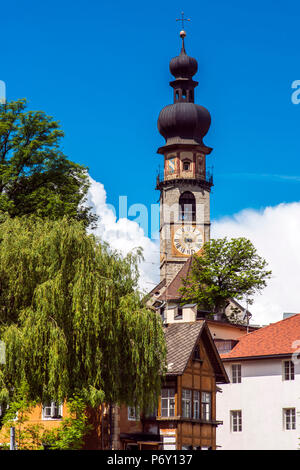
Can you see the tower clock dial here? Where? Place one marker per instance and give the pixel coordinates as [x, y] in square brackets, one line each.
[188, 240]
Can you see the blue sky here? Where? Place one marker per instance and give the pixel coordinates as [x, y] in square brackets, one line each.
[101, 69]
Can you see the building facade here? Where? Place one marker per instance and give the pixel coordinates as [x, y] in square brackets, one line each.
[186, 415]
[260, 406]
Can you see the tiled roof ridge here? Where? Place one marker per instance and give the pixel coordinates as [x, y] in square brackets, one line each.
[273, 339]
[263, 328]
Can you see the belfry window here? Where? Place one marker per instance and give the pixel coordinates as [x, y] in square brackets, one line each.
[187, 209]
[186, 165]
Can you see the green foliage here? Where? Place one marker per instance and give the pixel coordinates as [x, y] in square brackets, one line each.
[27, 435]
[72, 319]
[35, 176]
[70, 434]
[225, 269]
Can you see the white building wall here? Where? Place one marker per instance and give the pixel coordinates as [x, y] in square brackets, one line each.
[261, 396]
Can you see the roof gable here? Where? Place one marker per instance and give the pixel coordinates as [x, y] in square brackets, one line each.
[181, 340]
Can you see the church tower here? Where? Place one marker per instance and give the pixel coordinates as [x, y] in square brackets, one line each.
[185, 182]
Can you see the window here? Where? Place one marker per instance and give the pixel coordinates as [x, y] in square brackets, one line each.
[236, 420]
[196, 404]
[51, 410]
[133, 413]
[186, 403]
[186, 165]
[288, 370]
[236, 370]
[289, 418]
[224, 346]
[178, 316]
[197, 352]
[206, 406]
[187, 203]
[168, 402]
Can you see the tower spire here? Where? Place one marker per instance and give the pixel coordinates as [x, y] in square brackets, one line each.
[182, 32]
[185, 183]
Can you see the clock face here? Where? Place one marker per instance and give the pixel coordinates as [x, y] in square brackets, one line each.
[188, 240]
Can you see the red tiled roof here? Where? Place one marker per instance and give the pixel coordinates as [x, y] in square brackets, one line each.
[172, 291]
[275, 339]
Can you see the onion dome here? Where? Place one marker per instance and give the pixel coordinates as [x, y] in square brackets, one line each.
[184, 120]
[183, 66]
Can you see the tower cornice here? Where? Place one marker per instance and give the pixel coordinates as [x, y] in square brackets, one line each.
[183, 144]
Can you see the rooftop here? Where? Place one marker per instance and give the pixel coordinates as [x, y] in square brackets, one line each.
[182, 339]
[280, 338]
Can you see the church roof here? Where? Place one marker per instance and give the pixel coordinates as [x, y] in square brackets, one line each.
[172, 291]
[158, 287]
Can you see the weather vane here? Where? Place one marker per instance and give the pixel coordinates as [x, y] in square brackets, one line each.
[182, 19]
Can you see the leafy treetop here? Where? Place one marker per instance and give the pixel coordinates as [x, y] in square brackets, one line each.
[225, 269]
[35, 176]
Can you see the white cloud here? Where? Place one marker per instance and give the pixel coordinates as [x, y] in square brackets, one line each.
[274, 231]
[124, 235]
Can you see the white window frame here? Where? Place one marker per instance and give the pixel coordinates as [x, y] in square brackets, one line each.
[133, 413]
[289, 419]
[288, 373]
[196, 404]
[186, 403]
[236, 415]
[206, 405]
[56, 411]
[236, 373]
[167, 398]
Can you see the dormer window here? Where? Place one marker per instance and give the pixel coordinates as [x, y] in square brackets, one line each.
[179, 314]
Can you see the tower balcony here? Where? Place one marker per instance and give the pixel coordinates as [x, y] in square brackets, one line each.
[167, 178]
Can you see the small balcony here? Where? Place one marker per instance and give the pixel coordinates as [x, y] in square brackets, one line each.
[165, 178]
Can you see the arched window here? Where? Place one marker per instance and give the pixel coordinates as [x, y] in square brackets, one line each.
[186, 165]
[187, 203]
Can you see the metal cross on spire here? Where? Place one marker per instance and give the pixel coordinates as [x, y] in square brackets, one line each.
[182, 19]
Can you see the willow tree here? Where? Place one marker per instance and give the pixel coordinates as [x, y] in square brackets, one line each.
[72, 319]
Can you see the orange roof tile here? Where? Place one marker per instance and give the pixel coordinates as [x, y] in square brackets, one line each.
[275, 339]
